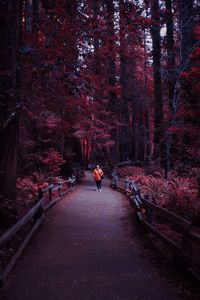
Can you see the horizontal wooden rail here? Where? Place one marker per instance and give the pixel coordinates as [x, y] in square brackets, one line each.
[37, 214]
[62, 188]
[150, 215]
[162, 212]
[195, 236]
[15, 228]
[171, 244]
[19, 252]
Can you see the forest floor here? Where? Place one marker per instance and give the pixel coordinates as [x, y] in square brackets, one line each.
[89, 247]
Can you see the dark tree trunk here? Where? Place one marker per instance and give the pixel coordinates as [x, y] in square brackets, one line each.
[35, 10]
[126, 144]
[9, 117]
[187, 42]
[71, 62]
[190, 96]
[28, 15]
[147, 136]
[97, 67]
[112, 103]
[171, 72]
[112, 53]
[186, 29]
[170, 52]
[147, 148]
[158, 97]
[49, 4]
[8, 159]
[71, 11]
[141, 135]
[108, 159]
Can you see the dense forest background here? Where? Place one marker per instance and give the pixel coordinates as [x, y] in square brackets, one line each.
[98, 81]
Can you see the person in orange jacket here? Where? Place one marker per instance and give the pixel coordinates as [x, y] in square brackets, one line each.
[98, 176]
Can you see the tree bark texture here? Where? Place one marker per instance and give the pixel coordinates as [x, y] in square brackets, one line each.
[127, 135]
[186, 8]
[170, 52]
[9, 117]
[158, 97]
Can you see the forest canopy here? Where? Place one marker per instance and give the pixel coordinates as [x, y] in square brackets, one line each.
[85, 81]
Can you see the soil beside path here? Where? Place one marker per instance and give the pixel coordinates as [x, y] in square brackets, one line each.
[83, 252]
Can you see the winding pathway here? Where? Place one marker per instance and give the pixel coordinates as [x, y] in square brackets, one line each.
[83, 251]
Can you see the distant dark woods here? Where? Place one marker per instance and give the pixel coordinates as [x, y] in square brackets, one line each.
[93, 81]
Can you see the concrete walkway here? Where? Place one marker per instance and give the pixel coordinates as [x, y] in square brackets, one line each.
[83, 251]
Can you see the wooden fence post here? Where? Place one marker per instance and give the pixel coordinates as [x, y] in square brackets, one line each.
[60, 189]
[114, 181]
[149, 212]
[40, 194]
[127, 184]
[39, 212]
[69, 182]
[50, 193]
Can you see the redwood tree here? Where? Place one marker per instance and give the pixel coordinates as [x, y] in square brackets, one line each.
[158, 94]
[10, 19]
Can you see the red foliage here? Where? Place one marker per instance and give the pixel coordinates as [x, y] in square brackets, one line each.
[88, 75]
[177, 193]
[51, 162]
[27, 192]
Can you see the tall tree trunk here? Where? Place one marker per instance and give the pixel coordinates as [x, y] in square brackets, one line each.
[29, 16]
[147, 136]
[123, 145]
[49, 4]
[187, 21]
[170, 52]
[158, 97]
[8, 158]
[141, 135]
[171, 69]
[71, 12]
[186, 8]
[96, 42]
[145, 59]
[9, 115]
[127, 81]
[112, 53]
[35, 19]
[72, 57]
[112, 103]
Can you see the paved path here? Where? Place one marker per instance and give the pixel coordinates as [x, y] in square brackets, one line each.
[83, 252]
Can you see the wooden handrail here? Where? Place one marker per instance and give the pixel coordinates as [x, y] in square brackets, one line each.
[32, 212]
[144, 203]
[193, 235]
[146, 210]
[71, 181]
[11, 231]
[162, 212]
[36, 213]
[168, 242]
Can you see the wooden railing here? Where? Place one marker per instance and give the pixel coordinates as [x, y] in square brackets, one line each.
[186, 246]
[46, 198]
[53, 193]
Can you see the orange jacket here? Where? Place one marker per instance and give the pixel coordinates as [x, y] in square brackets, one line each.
[97, 173]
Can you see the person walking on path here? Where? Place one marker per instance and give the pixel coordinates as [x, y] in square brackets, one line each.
[98, 176]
